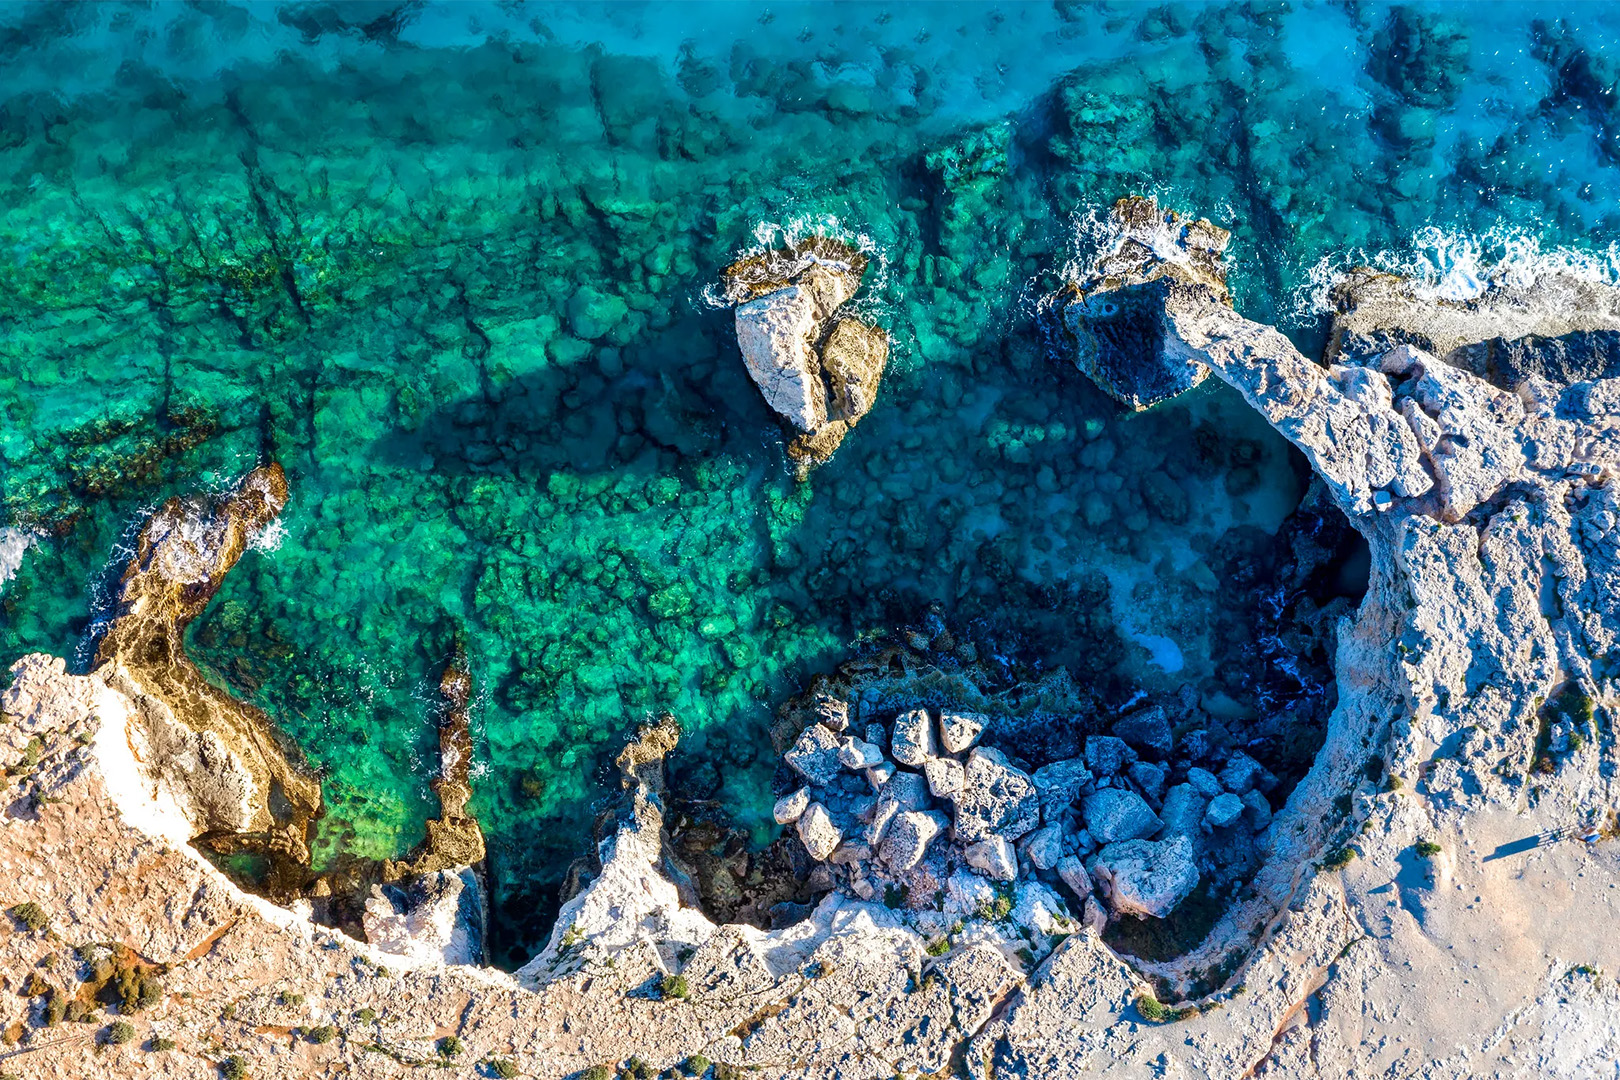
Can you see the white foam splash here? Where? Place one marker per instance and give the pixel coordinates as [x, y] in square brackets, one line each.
[771, 235]
[269, 538]
[1446, 264]
[14, 544]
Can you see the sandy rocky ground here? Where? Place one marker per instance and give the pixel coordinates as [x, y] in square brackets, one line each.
[1475, 446]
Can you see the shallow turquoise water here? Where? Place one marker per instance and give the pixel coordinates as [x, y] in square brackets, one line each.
[448, 265]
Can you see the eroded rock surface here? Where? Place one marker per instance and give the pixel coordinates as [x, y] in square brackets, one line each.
[239, 782]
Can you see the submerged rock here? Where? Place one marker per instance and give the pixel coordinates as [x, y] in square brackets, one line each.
[818, 372]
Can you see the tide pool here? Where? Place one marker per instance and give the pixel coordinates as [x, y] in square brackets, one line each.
[451, 266]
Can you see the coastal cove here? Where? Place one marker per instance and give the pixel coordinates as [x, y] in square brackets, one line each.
[455, 269]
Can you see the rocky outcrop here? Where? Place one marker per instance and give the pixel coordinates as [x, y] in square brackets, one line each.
[1110, 322]
[818, 370]
[434, 904]
[241, 784]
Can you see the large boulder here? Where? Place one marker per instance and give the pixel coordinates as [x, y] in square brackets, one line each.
[1059, 785]
[1116, 814]
[818, 833]
[1107, 755]
[1145, 877]
[818, 371]
[994, 857]
[906, 840]
[913, 740]
[958, 731]
[996, 800]
[1148, 730]
[1183, 811]
[814, 755]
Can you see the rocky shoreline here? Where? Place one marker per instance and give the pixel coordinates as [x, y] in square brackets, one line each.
[1386, 917]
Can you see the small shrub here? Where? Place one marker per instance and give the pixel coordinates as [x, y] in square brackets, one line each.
[1027, 957]
[636, 1069]
[1153, 1010]
[120, 1032]
[939, 947]
[290, 998]
[367, 1014]
[894, 896]
[32, 916]
[673, 987]
[696, 1065]
[722, 1071]
[502, 1068]
[597, 1072]
[55, 1007]
[1426, 849]
[36, 985]
[999, 909]
[322, 1035]
[233, 1068]
[1339, 858]
[1395, 783]
[160, 1044]
[449, 1046]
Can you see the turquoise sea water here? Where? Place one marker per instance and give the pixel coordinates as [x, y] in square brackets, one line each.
[449, 265]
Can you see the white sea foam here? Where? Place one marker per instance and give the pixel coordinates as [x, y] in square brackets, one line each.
[269, 538]
[1445, 264]
[770, 235]
[14, 544]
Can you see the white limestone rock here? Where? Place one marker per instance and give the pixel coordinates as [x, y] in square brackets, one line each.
[1146, 877]
[996, 799]
[912, 742]
[775, 334]
[1044, 846]
[1116, 814]
[818, 833]
[814, 755]
[858, 754]
[958, 731]
[908, 836]
[1072, 872]
[945, 777]
[995, 857]
[791, 807]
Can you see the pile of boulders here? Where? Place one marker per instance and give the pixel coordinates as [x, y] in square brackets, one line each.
[911, 807]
